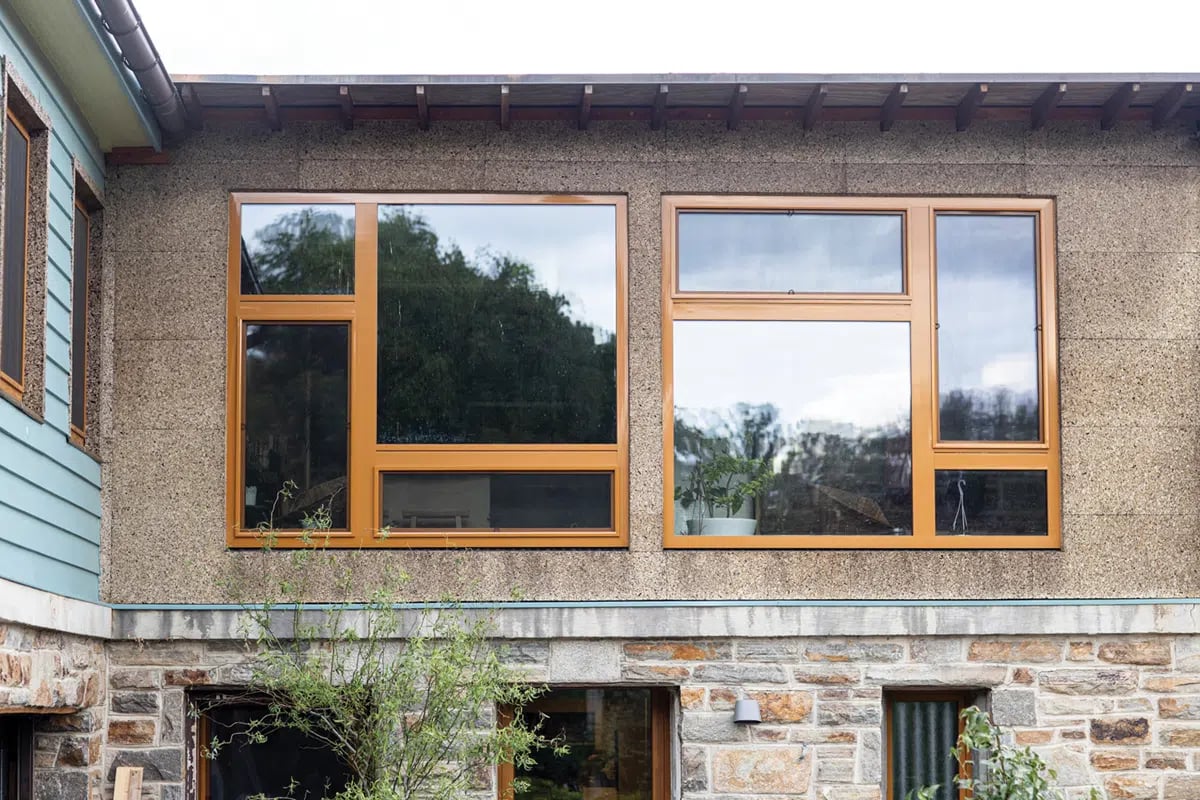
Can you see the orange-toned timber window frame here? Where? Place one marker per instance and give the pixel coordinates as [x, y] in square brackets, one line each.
[368, 460]
[917, 306]
[661, 702]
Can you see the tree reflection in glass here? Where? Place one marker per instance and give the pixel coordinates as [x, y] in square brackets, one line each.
[987, 327]
[825, 404]
[497, 324]
[297, 249]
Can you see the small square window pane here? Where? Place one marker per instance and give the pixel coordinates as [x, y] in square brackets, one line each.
[297, 249]
[991, 502]
[791, 252]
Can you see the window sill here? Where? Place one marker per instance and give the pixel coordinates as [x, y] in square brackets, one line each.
[435, 540]
[18, 400]
[674, 541]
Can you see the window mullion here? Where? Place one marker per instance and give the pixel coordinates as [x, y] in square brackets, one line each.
[363, 373]
[919, 263]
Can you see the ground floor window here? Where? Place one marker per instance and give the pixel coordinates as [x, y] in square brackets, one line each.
[16, 758]
[619, 746]
[922, 734]
[287, 764]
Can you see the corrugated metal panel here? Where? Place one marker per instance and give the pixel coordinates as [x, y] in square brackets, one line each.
[49, 490]
[924, 733]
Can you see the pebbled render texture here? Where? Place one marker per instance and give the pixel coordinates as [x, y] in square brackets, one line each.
[1129, 268]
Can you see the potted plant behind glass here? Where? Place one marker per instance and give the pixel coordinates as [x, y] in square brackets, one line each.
[723, 482]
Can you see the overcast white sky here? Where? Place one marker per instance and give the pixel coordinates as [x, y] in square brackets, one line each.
[623, 36]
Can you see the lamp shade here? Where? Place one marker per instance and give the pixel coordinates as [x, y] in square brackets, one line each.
[745, 712]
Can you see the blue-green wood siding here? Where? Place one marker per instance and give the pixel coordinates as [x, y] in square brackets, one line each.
[50, 490]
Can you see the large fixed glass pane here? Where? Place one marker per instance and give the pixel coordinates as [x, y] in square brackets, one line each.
[79, 305]
[987, 327]
[496, 501]
[295, 423]
[924, 735]
[497, 324]
[790, 252]
[609, 746]
[289, 763]
[297, 249]
[16, 212]
[991, 502]
[792, 428]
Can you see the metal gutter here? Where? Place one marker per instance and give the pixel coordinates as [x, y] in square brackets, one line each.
[124, 28]
[682, 78]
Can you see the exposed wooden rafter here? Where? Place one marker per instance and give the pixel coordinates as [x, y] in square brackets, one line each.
[585, 107]
[271, 104]
[505, 108]
[659, 115]
[891, 106]
[1117, 105]
[1169, 104]
[1047, 101]
[346, 101]
[736, 106]
[422, 108]
[812, 109]
[972, 100]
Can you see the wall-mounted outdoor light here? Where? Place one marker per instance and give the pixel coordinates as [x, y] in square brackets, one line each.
[745, 712]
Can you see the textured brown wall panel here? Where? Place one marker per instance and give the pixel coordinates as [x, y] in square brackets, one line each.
[1129, 268]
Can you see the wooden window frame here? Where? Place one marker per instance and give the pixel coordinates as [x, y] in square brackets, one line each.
[78, 435]
[368, 460]
[661, 705]
[11, 386]
[964, 697]
[916, 305]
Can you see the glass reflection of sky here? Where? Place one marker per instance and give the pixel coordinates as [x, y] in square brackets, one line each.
[987, 303]
[571, 248]
[823, 377]
[258, 216]
[790, 251]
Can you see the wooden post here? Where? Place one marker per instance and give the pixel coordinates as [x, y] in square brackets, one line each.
[128, 785]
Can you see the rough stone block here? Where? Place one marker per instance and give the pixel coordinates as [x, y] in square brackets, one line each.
[1181, 787]
[767, 650]
[1132, 787]
[1130, 730]
[1179, 736]
[848, 713]
[1033, 651]
[692, 697]
[740, 673]
[131, 731]
[583, 661]
[1088, 681]
[1152, 653]
[870, 756]
[769, 770]
[827, 676]
[678, 651]
[835, 770]
[854, 652]
[784, 707]
[134, 703]
[159, 763]
[1013, 707]
[1171, 683]
[1164, 760]
[694, 764]
[705, 726]
[1114, 760]
[931, 675]
[655, 673]
[1183, 707]
[936, 650]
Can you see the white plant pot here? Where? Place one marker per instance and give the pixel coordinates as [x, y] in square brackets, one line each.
[722, 526]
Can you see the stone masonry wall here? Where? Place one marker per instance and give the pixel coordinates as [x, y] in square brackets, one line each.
[60, 680]
[1121, 713]
[1128, 208]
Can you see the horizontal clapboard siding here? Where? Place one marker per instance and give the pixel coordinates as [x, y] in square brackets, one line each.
[49, 490]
